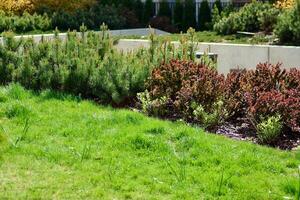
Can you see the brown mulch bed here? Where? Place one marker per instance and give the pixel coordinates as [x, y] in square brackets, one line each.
[241, 129]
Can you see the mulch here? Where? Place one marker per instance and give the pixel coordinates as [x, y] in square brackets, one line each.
[241, 129]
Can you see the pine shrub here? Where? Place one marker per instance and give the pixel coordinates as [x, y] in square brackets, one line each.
[86, 64]
[288, 26]
[253, 17]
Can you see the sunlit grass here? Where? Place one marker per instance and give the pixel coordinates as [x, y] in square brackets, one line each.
[56, 146]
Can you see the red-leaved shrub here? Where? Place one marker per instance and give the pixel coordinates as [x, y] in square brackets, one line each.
[286, 104]
[234, 95]
[293, 79]
[266, 91]
[184, 83]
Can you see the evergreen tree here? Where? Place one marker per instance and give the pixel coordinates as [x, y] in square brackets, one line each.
[189, 14]
[219, 6]
[139, 9]
[204, 16]
[215, 15]
[164, 9]
[148, 11]
[128, 4]
[178, 14]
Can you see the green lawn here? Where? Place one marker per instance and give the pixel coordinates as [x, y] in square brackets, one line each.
[204, 36]
[210, 36]
[56, 146]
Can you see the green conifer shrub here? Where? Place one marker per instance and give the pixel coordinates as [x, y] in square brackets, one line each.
[288, 26]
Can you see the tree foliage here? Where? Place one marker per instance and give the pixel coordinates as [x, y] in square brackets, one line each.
[66, 5]
[16, 6]
[204, 16]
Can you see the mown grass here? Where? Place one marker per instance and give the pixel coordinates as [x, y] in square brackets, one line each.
[55, 146]
[202, 36]
[210, 36]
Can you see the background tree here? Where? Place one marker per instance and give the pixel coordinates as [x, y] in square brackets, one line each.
[128, 3]
[204, 16]
[219, 6]
[65, 5]
[178, 14]
[139, 9]
[216, 17]
[16, 6]
[189, 15]
[148, 11]
[164, 9]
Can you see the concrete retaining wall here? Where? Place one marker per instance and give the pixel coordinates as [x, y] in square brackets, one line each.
[234, 56]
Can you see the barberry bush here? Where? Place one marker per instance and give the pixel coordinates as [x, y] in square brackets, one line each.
[264, 92]
[181, 89]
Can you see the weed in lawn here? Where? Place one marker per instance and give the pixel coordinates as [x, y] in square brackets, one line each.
[223, 181]
[140, 142]
[16, 92]
[3, 97]
[298, 190]
[156, 131]
[17, 109]
[23, 134]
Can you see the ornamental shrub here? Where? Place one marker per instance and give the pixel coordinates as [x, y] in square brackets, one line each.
[24, 23]
[269, 129]
[163, 23]
[264, 92]
[85, 65]
[9, 58]
[92, 18]
[234, 95]
[253, 17]
[288, 26]
[176, 88]
[285, 103]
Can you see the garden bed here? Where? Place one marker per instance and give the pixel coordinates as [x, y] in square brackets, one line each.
[241, 129]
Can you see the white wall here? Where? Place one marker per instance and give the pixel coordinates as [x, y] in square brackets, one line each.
[234, 56]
